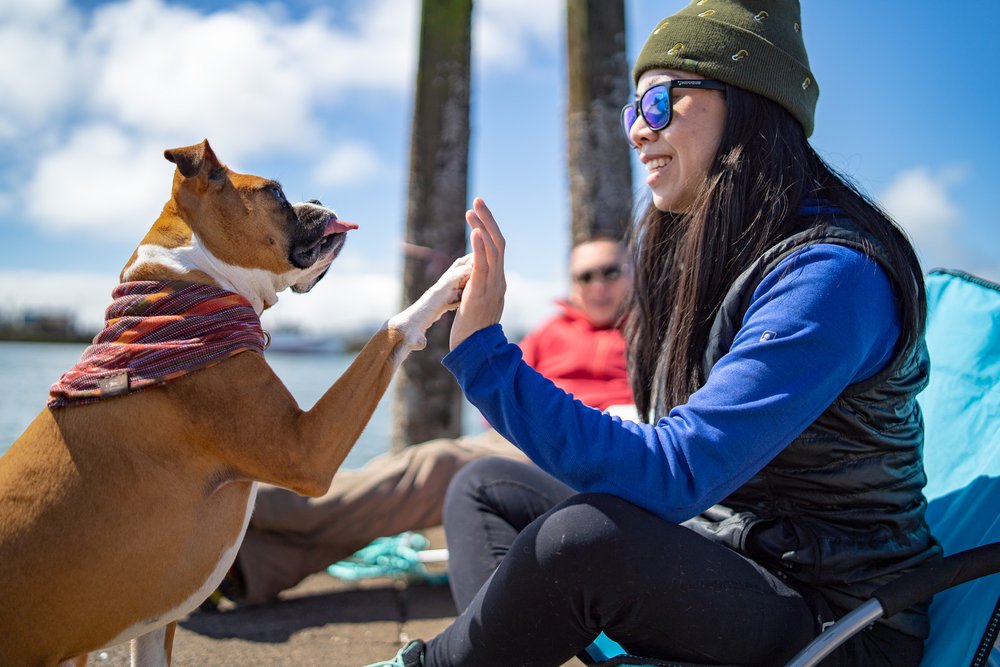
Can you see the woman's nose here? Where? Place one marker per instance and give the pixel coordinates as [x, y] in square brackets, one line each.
[640, 133]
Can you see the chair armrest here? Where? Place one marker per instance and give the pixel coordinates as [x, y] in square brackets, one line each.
[937, 576]
[902, 593]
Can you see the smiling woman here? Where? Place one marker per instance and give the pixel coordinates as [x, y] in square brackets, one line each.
[757, 449]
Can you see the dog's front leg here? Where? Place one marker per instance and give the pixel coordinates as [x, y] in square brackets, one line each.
[313, 444]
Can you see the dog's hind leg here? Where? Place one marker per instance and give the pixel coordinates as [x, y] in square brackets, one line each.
[153, 649]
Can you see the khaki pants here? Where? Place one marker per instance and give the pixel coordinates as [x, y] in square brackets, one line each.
[291, 536]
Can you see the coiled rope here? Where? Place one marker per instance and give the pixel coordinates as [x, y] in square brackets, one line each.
[398, 556]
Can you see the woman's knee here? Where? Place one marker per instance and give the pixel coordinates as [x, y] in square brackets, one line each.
[586, 528]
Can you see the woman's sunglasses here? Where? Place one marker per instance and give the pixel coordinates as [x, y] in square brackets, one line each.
[656, 103]
[605, 273]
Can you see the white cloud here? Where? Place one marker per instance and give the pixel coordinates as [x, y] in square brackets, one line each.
[142, 75]
[172, 70]
[505, 31]
[89, 107]
[102, 181]
[247, 78]
[377, 50]
[920, 201]
[40, 64]
[348, 164]
[108, 183]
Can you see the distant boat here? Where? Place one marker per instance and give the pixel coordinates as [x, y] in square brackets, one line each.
[294, 339]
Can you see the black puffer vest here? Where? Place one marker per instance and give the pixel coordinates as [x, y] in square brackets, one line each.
[839, 511]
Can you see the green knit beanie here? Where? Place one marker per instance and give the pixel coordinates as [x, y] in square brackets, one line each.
[752, 44]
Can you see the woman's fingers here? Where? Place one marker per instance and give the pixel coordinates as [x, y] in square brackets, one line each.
[483, 296]
[480, 261]
[489, 223]
[489, 258]
[487, 232]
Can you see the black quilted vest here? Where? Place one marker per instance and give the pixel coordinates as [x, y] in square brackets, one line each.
[839, 511]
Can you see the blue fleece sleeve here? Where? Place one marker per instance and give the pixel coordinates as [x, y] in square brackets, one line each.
[823, 319]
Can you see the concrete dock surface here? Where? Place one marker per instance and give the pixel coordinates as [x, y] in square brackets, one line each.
[323, 621]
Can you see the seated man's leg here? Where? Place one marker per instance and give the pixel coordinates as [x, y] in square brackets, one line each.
[291, 536]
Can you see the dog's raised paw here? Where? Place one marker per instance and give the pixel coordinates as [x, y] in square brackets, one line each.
[448, 287]
[442, 296]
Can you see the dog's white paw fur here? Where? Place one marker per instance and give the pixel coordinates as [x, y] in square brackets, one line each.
[442, 296]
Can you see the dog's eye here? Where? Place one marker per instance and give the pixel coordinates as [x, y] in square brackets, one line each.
[279, 194]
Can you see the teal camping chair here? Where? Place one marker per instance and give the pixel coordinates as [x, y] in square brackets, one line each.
[961, 408]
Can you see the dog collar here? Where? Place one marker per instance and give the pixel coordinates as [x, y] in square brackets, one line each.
[156, 332]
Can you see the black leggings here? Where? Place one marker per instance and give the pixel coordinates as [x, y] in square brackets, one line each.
[538, 571]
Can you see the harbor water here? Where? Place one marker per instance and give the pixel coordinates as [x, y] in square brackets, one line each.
[27, 370]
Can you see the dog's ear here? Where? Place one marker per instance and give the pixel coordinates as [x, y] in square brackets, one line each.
[194, 160]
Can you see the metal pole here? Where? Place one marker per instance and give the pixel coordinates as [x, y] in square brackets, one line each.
[837, 634]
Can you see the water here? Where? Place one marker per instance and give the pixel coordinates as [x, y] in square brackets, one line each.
[27, 370]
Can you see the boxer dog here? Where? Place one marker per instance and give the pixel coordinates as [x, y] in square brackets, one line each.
[124, 502]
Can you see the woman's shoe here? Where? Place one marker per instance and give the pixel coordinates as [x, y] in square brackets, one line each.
[411, 655]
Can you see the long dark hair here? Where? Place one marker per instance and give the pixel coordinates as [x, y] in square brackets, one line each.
[685, 263]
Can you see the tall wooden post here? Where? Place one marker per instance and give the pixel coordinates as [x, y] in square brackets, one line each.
[598, 160]
[428, 401]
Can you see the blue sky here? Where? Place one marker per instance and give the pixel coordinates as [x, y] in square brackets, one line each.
[319, 96]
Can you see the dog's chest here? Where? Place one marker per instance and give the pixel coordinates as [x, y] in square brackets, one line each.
[203, 591]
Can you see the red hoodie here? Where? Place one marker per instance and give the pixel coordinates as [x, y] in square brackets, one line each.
[583, 360]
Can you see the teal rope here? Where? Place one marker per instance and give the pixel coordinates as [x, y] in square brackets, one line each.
[394, 556]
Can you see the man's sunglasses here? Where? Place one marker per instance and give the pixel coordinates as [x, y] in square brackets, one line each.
[655, 104]
[604, 273]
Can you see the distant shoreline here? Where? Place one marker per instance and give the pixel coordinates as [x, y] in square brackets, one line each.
[44, 337]
[347, 345]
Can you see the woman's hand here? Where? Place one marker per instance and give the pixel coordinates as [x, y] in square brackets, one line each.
[482, 298]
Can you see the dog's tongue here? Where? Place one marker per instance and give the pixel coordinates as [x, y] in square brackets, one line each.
[335, 226]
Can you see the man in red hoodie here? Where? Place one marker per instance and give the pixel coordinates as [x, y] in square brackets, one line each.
[581, 350]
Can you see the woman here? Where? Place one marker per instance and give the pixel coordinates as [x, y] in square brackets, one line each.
[776, 348]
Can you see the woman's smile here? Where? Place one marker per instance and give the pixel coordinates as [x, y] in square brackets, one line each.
[655, 168]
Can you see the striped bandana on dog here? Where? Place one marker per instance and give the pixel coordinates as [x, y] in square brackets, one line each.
[156, 332]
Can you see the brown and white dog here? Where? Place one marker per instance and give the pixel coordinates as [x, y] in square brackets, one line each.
[119, 517]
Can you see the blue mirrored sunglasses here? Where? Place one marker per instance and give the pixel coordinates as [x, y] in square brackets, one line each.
[656, 103]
